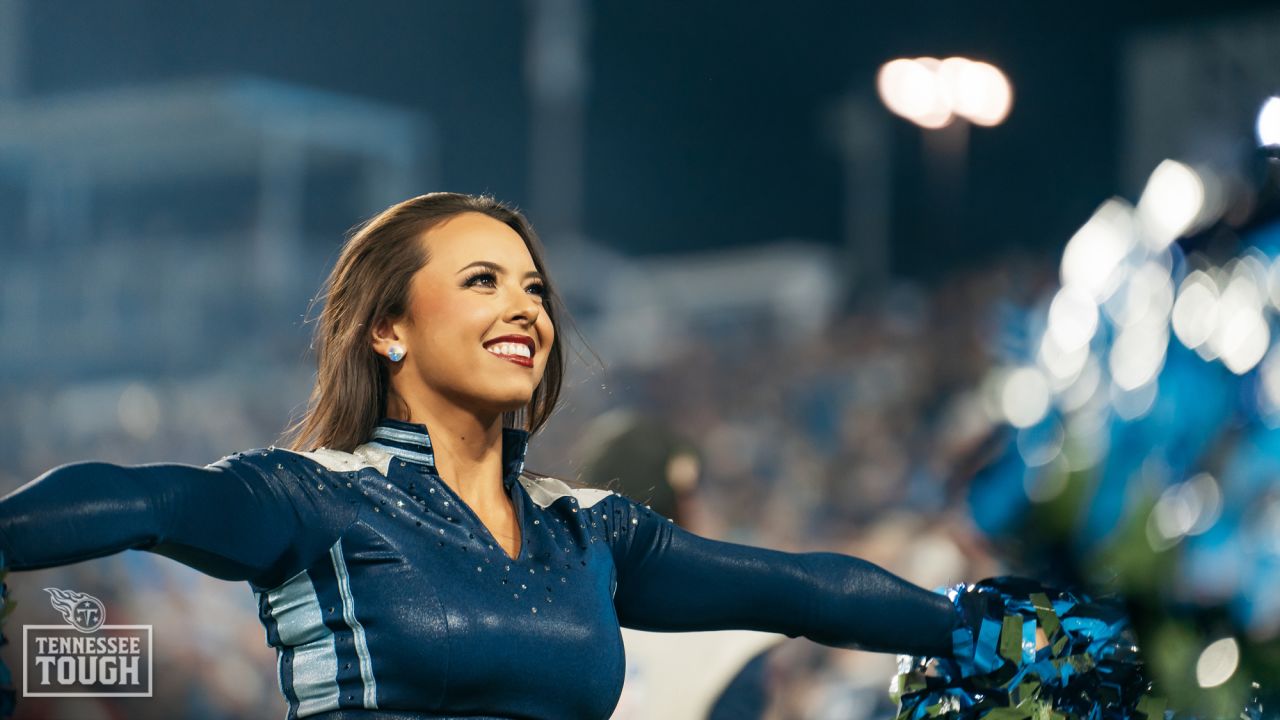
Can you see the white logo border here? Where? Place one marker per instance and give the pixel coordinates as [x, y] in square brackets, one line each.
[150, 662]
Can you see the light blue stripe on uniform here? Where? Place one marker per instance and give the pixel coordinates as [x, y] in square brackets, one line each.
[349, 614]
[402, 436]
[424, 458]
[300, 624]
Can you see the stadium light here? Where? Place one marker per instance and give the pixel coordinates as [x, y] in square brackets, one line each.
[1269, 122]
[931, 92]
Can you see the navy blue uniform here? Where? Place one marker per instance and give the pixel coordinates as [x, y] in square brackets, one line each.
[385, 596]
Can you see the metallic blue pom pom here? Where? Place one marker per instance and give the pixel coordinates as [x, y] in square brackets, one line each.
[1090, 668]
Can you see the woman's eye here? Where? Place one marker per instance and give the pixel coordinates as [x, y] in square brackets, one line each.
[488, 279]
[487, 276]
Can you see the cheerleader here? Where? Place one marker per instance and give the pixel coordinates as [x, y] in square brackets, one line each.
[405, 563]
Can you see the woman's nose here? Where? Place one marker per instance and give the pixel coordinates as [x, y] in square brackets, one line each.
[525, 307]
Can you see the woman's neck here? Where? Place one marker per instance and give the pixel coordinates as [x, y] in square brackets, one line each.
[467, 448]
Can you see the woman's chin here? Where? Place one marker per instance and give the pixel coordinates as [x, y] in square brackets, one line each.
[516, 407]
[502, 396]
[512, 402]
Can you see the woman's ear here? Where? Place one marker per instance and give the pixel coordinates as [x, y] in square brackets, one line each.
[383, 335]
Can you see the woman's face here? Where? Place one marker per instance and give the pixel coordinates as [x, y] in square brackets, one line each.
[479, 285]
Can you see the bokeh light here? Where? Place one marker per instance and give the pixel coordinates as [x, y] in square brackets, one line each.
[1092, 259]
[1172, 200]
[932, 92]
[1241, 335]
[1268, 126]
[979, 91]
[1138, 353]
[1218, 662]
[910, 88]
[1025, 397]
[1195, 313]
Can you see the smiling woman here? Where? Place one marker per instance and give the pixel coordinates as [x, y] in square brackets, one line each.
[406, 564]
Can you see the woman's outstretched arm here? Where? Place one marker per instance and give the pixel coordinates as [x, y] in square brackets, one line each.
[240, 518]
[672, 580]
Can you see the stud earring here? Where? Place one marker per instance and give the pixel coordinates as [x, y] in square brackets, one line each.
[395, 352]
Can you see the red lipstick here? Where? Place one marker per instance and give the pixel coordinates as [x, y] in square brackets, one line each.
[524, 340]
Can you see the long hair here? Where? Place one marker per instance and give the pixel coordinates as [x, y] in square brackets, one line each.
[369, 282]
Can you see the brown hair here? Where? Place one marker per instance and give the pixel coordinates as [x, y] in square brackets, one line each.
[370, 281]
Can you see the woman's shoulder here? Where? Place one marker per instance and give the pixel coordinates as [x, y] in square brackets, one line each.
[279, 463]
[317, 459]
[545, 490]
[364, 456]
[309, 480]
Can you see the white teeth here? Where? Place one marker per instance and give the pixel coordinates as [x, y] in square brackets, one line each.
[510, 349]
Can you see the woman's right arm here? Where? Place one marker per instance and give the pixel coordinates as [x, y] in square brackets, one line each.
[234, 519]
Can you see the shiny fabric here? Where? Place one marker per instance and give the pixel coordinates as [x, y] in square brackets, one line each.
[383, 592]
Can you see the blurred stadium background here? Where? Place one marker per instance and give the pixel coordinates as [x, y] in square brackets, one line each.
[1041, 345]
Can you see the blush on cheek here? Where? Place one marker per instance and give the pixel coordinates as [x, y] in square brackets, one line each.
[435, 315]
[425, 306]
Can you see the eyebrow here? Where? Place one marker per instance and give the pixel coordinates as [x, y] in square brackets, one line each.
[498, 268]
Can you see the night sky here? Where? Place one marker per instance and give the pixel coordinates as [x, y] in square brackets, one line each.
[705, 120]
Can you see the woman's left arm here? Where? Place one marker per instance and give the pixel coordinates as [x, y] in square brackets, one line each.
[672, 580]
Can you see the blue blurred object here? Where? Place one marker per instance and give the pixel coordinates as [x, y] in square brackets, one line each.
[8, 696]
[1150, 470]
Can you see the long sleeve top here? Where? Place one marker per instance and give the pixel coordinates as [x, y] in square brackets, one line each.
[385, 596]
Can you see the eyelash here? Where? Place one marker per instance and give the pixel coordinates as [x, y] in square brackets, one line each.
[471, 280]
